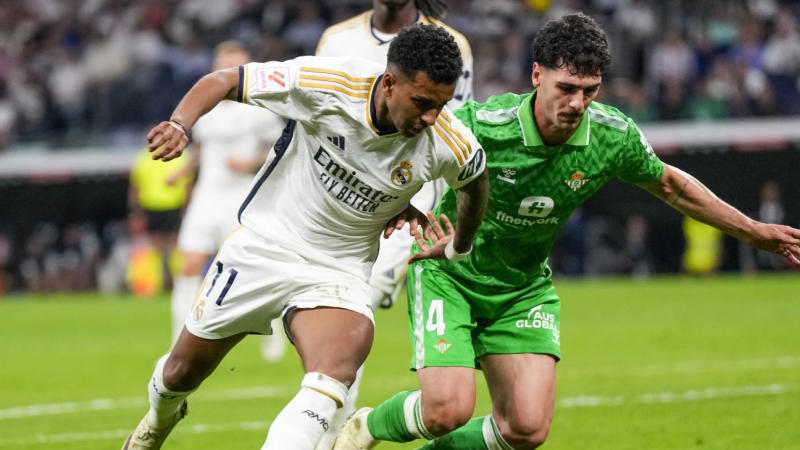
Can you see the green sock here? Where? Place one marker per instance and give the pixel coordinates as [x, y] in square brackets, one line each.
[468, 437]
[398, 419]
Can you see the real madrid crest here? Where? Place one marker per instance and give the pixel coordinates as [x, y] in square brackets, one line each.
[401, 176]
[577, 181]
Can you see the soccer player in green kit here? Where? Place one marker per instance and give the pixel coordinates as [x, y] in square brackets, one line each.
[547, 153]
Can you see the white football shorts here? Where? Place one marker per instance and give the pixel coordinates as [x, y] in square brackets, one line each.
[252, 281]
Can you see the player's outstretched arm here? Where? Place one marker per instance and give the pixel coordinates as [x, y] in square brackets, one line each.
[472, 200]
[169, 138]
[689, 196]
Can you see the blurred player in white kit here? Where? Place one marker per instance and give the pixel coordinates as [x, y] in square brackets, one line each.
[230, 144]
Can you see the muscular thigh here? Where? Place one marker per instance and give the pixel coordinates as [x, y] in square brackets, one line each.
[521, 385]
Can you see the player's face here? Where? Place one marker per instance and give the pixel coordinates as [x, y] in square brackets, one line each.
[414, 104]
[561, 97]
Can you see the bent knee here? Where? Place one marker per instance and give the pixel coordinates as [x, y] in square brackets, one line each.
[526, 433]
[180, 376]
[442, 418]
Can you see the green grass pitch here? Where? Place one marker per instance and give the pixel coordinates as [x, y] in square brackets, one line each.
[666, 363]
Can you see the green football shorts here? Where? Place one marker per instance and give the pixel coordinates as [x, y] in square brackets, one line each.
[453, 324]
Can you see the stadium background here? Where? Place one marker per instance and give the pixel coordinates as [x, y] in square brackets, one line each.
[664, 361]
[80, 82]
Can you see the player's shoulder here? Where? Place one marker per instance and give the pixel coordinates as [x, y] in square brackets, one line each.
[344, 29]
[497, 110]
[458, 139]
[350, 78]
[605, 117]
[461, 40]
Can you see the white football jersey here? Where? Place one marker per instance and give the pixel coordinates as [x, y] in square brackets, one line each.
[355, 36]
[333, 181]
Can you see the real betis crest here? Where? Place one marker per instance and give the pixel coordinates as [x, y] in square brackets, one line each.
[577, 181]
[442, 346]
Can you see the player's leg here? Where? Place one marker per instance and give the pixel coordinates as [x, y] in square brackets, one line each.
[177, 375]
[523, 389]
[519, 349]
[444, 358]
[333, 343]
[186, 287]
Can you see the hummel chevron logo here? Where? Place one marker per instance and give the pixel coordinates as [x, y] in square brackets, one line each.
[337, 141]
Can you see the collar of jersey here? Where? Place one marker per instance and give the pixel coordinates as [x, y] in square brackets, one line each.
[372, 114]
[371, 29]
[530, 134]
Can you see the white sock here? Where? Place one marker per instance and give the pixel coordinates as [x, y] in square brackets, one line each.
[492, 437]
[301, 423]
[184, 291]
[164, 403]
[342, 414]
[273, 346]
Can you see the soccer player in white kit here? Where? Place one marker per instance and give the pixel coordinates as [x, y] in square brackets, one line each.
[360, 142]
[230, 143]
[368, 35]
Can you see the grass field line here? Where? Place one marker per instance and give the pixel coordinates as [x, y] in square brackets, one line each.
[581, 401]
[709, 393]
[103, 404]
[686, 367]
[120, 434]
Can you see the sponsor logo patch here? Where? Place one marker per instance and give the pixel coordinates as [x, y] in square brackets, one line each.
[540, 320]
[274, 79]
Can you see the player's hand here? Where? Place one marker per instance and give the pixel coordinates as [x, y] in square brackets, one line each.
[438, 236]
[411, 216]
[167, 141]
[778, 239]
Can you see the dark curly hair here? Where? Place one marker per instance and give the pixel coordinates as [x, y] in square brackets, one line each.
[429, 49]
[574, 41]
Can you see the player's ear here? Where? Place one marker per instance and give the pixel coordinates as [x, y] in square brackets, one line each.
[536, 74]
[388, 82]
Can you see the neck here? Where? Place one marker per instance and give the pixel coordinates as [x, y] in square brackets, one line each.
[390, 19]
[382, 120]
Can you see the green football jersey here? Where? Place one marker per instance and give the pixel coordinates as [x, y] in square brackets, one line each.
[535, 188]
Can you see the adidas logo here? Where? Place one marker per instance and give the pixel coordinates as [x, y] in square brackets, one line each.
[337, 141]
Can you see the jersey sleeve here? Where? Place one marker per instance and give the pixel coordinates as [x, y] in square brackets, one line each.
[275, 86]
[464, 158]
[637, 161]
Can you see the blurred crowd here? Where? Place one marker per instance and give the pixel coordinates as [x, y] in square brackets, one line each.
[98, 72]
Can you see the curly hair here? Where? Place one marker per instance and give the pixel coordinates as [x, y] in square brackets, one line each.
[574, 41]
[429, 49]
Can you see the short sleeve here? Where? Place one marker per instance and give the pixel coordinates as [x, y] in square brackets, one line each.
[274, 86]
[465, 158]
[638, 162]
